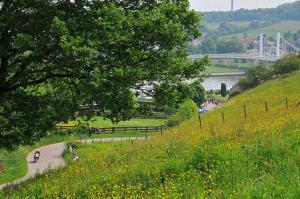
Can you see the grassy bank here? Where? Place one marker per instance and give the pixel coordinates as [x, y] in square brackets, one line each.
[219, 67]
[253, 157]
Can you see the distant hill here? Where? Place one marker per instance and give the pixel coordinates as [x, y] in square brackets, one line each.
[289, 11]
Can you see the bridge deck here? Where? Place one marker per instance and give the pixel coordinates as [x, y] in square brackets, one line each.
[237, 56]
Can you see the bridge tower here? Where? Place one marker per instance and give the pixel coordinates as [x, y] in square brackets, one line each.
[261, 44]
[232, 8]
[278, 40]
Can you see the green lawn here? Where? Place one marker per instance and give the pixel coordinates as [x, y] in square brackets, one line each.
[102, 123]
[225, 69]
[15, 164]
[220, 67]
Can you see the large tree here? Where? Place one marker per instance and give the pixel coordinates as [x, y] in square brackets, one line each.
[56, 55]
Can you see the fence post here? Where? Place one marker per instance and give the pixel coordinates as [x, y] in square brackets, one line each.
[200, 120]
[125, 129]
[286, 103]
[161, 129]
[266, 106]
[223, 117]
[245, 111]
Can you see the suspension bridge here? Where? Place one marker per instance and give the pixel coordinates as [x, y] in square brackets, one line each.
[265, 50]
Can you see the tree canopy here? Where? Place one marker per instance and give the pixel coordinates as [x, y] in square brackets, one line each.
[56, 55]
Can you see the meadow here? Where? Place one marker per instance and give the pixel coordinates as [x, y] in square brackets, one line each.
[257, 156]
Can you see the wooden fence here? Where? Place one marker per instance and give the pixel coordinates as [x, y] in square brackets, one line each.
[140, 129]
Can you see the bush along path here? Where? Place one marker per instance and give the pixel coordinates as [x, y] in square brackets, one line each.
[51, 157]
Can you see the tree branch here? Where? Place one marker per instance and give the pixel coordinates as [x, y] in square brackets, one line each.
[41, 80]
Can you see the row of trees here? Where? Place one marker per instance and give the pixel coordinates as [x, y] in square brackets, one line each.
[284, 12]
[211, 45]
[229, 28]
[294, 38]
[58, 55]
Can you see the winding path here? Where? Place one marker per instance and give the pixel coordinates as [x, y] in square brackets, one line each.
[51, 157]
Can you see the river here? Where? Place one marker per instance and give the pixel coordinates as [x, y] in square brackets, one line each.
[214, 83]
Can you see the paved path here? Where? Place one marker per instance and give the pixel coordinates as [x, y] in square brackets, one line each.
[211, 106]
[51, 157]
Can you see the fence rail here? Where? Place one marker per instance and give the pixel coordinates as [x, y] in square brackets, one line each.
[141, 129]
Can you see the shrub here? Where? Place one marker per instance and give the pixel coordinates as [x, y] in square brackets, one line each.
[73, 142]
[223, 90]
[198, 93]
[254, 76]
[287, 64]
[173, 121]
[187, 110]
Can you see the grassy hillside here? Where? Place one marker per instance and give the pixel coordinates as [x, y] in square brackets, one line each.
[253, 157]
[214, 26]
[282, 27]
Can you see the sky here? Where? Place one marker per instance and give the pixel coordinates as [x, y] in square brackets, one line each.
[224, 5]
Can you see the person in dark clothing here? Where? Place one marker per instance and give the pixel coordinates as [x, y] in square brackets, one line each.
[36, 156]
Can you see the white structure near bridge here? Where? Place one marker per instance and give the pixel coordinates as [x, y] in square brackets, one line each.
[267, 51]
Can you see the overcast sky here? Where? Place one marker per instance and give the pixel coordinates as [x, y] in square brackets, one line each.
[216, 5]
